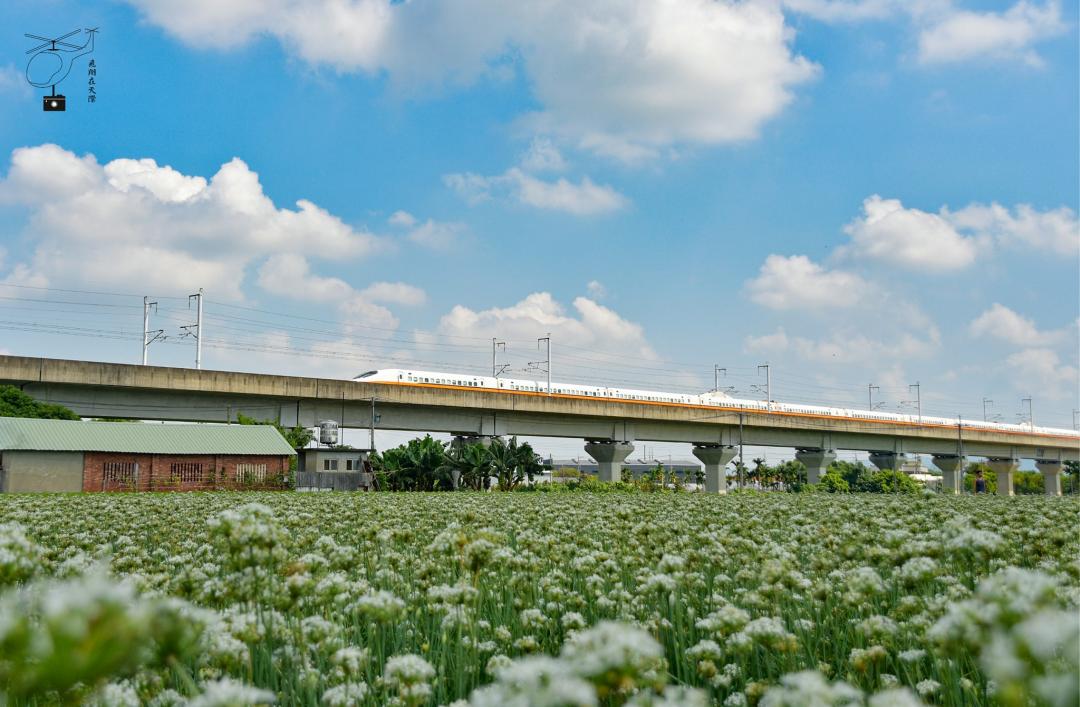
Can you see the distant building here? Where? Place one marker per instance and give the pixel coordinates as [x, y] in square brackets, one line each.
[334, 469]
[65, 455]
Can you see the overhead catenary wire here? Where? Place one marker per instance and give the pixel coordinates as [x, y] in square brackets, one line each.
[381, 347]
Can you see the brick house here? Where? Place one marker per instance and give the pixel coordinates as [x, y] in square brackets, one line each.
[65, 455]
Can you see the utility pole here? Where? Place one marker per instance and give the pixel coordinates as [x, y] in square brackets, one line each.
[495, 370]
[547, 363]
[768, 385]
[1031, 412]
[196, 329]
[918, 398]
[1076, 419]
[870, 394]
[716, 377]
[147, 339]
[371, 439]
[986, 401]
[535, 365]
[960, 440]
[742, 463]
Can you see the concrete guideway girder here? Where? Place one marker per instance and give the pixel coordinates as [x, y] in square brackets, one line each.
[1003, 469]
[952, 472]
[715, 457]
[609, 457]
[887, 461]
[1051, 472]
[94, 389]
[816, 462]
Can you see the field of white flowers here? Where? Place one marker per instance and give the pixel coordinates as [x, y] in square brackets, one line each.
[538, 599]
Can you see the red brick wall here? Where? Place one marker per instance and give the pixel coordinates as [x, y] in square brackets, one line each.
[155, 472]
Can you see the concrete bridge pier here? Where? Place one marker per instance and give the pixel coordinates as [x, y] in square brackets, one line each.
[952, 472]
[609, 457]
[1004, 468]
[887, 461]
[715, 457]
[816, 462]
[1051, 471]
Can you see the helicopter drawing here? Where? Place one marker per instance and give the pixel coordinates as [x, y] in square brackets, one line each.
[51, 62]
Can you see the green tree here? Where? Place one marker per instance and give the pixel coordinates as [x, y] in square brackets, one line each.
[15, 403]
[759, 472]
[419, 465]
[1071, 480]
[472, 464]
[792, 474]
[513, 463]
[1028, 483]
[833, 482]
[740, 474]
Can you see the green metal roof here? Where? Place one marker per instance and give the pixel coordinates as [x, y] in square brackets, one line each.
[22, 434]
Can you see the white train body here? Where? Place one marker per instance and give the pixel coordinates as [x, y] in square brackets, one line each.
[711, 399]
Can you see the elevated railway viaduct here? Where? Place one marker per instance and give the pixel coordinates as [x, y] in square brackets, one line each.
[609, 427]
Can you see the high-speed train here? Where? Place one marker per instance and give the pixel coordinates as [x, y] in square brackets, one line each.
[711, 399]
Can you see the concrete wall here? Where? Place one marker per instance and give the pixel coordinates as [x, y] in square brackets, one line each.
[156, 472]
[42, 471]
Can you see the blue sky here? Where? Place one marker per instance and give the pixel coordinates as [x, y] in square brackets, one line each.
[858, 192]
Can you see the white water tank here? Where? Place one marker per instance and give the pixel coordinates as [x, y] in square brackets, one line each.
[328, 433]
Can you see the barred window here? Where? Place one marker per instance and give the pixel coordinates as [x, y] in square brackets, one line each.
[251, 473]
[120, 472]
[187, 472]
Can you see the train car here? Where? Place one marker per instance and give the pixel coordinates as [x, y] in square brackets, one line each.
[715, 399]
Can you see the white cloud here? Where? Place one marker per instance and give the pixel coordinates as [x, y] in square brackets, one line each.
[596, 289]
[402, 218]
[585, 198]
[395, 293]
[1039, 371]
[433, 234]
[289, 275]
[436, 235]
[962, 35]
[1003, 323]
[767, 343]
[851, 347]
[798, 283]
[595, 326]
[845, 346]
[543, 156]
[620, 77]
[135, 225]
[165, 183]
[953, 240]
[1054, 231]
[947, 34]
[909, 237]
